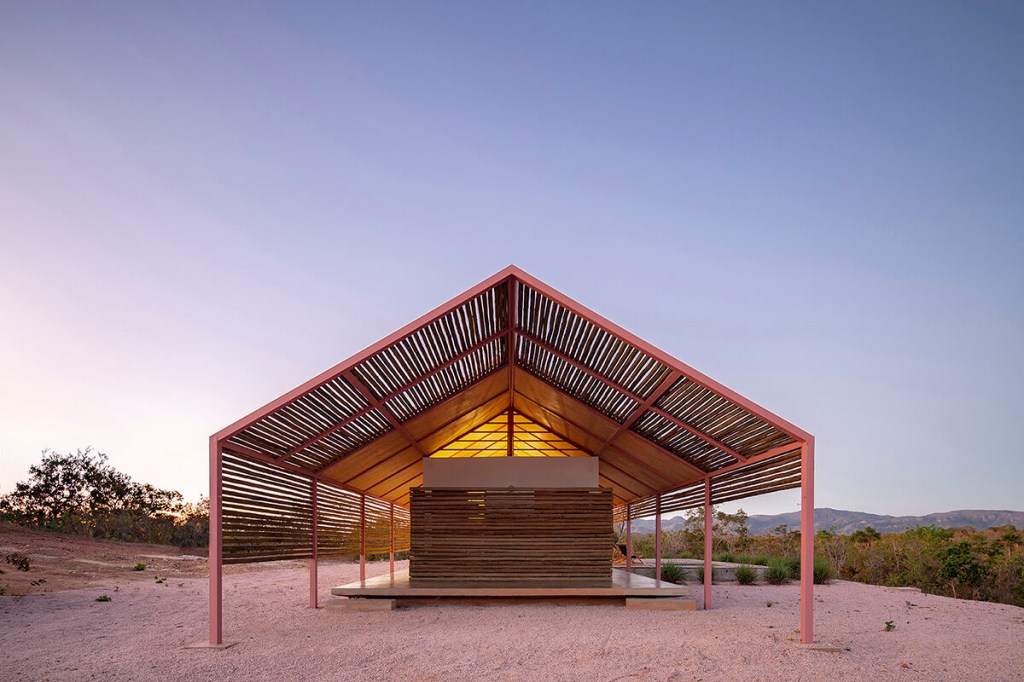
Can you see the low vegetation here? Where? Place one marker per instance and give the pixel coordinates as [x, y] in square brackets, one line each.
[745, 575]
[82, 494]
[673, 573]
[966, 563]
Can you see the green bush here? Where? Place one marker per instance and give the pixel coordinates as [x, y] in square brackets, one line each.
[726, 557]
[673, 573]
[700, 574]
[745, 575]
[822, 570]
[778, 572]
[793, 566]
[139, 567]
[103, 597]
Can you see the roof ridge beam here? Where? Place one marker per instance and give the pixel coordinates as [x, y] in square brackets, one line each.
[634, 397]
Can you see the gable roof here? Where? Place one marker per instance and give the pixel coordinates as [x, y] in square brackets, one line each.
[512, 342]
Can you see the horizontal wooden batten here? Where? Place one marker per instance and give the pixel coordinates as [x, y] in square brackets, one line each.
[548, 535]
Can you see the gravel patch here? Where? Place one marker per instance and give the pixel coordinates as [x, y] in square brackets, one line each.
[141, 632]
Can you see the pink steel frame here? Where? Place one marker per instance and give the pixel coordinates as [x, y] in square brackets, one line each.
[512, 273]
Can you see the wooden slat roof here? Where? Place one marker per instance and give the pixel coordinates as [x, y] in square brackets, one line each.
[512, 342]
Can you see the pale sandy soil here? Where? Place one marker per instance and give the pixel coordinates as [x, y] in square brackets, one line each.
[140, 634]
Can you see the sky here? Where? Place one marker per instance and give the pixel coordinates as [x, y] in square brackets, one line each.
[820, 205]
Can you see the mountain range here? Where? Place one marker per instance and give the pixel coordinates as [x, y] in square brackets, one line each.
[847, 522]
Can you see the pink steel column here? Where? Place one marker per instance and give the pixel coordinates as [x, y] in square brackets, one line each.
[657, 537]
[807, 542]
[362, 538]
[629, 538]
[216, 554]
[313, 601]
[708, 568]
[392, 539]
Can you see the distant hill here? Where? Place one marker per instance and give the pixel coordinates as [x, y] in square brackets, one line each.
[847, 522]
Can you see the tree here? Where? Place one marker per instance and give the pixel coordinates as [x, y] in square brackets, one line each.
[81, 492]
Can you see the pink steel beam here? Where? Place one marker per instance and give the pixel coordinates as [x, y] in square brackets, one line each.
[641, 408]
[313, 601]
[323, 434]
[216, 552]
[362, 538]
[267, 459]
[370, 408]
[354, 360]
[708, 568]
[629, 538]
[365, 392]
[807, 542]
[657, 538]
[632, 396]
[658, 354]
[754, 459]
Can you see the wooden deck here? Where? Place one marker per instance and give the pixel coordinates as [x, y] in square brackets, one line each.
[621, 585]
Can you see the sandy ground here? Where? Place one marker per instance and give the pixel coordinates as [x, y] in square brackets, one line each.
[141, 632]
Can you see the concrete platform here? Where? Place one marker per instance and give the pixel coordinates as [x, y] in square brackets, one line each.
[661, 604]
[357, 604]
[622, 584]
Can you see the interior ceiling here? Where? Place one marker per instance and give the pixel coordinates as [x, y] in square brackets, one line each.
[574, 380]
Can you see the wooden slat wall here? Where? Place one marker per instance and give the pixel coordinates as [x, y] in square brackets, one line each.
[267, 516]
[267, 512]
[511, 535]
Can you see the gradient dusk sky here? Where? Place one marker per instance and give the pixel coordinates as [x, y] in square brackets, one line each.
[820, 205]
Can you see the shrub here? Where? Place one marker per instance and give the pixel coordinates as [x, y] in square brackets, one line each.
[745, 575]
[700, 574]
[822, 570]
[18, 560]
[673, 573]
[726, 557]
[778, 572]
[103, 597]
[139, 567]
[793, 566]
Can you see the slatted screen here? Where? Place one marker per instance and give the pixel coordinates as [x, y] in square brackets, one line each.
[549, 536]
[768, 476]
[267, 516]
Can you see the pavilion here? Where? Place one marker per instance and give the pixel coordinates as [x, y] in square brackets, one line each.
[509, 368]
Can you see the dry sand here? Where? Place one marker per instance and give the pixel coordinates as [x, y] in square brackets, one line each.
[140, 635]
